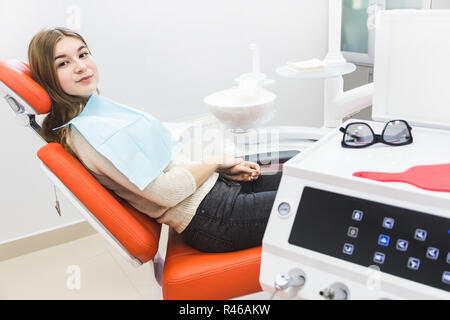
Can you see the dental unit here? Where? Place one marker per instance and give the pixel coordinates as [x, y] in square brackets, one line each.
[348, 237]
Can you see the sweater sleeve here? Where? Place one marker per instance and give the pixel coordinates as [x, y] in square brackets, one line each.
[172, 186]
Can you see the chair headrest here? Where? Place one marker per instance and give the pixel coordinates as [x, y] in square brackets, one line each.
[16, 75]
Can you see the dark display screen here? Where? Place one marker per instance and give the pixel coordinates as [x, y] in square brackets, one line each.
[405, 243]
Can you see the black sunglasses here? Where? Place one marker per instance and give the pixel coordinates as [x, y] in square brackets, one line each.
[360, 134]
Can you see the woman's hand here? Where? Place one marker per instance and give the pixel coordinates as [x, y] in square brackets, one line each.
[244, 171]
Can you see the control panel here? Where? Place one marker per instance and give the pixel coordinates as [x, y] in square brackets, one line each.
[405, 243]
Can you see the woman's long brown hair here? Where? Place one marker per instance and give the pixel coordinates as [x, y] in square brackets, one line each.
[65, 107]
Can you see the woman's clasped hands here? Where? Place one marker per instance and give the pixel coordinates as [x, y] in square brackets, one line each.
[244, 171]
[236, 168]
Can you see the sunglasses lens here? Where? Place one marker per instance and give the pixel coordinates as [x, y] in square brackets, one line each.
[358, 135]
[396, 132]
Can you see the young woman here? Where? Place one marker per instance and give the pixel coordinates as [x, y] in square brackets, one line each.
[219, 205]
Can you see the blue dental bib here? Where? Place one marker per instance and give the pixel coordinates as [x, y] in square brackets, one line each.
[136, 143]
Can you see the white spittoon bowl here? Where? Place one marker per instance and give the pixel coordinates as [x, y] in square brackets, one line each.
[241, 112]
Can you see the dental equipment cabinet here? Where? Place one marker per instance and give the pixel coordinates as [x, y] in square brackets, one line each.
[335, 236]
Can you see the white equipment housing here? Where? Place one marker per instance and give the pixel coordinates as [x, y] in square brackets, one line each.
[313, 212]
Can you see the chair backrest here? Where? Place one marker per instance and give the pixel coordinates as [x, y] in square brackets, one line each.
[129, 230]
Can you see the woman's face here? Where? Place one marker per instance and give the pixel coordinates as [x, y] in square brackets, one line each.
[75, 67]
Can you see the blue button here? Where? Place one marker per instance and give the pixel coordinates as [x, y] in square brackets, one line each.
[357, 215]
[446, 277]
[420, 235]
[402, 245]
[348, 249]
[388, 223]
[413, 263]
[379, 257]
[432, 253]
[383, 240]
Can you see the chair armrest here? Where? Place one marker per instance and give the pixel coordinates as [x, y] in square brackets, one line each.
[267, 159]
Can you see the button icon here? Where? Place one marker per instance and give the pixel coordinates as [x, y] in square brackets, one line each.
[383, 240]
[446, 277]
[348, 249]
[432, 253]
[388, 223]
[448, 258]
[357, 215]
[352, 232]
[413, 263]
[402, 245]
[420, 235]
[379, 257]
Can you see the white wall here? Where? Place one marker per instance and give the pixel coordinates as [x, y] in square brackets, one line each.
[162, 57]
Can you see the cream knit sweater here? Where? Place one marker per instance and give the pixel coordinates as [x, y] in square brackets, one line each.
[172, 198]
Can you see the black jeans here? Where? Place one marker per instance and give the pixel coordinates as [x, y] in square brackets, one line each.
[233, 215]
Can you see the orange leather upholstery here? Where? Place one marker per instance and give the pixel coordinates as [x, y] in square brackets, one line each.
[191, 274]
[16, 75]
[138, 233]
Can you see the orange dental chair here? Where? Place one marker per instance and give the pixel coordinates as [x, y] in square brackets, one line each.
[185, 273]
